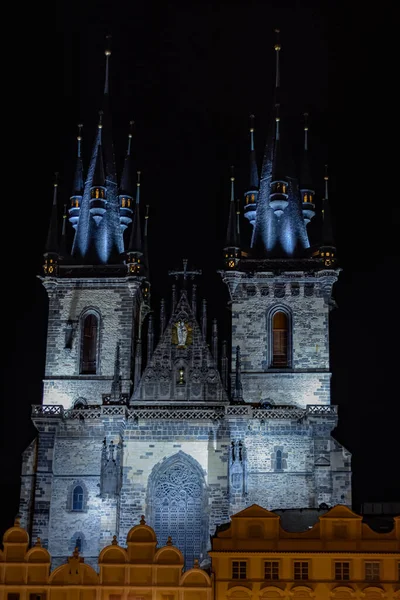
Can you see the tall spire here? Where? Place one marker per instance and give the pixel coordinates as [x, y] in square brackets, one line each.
[135, 249]
[107, 53]
[280, 230]
[51, 255]
[306, 188]
[238, 391]
[78, 184]
[126, 186]
[98, 190]
[232, 248]
[327, 248]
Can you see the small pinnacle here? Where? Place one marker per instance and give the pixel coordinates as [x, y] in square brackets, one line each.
[142, 520]
[114, 540]
[169, 541]
[38, 542]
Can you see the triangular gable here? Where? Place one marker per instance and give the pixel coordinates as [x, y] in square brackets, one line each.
[181, 367]
[255, 512]
[340, 512]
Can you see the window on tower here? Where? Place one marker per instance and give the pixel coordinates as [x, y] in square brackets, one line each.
[280, 340]
[89, 344]
[77, 498]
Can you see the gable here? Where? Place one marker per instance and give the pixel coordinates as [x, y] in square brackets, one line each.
[181, 367]
[255, 511]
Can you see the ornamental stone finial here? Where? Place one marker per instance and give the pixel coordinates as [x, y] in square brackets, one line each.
[38, 542]
[142, 520]
[114, 540]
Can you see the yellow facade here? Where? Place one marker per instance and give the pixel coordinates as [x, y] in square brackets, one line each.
[141, 571]
[253, 558]
[339, 558]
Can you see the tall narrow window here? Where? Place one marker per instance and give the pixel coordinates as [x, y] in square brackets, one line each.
[280, 340]
[77, 498]
[279, 460]
[78, 544]
[89, 345]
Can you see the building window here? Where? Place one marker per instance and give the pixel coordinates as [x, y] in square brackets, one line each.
[372, 571]
[239, 568]
[37, 596]
[301, 570]
[280, 340]
[89, 344]
[342, 571]
[77, 498]
[271, 570]
[12, 596]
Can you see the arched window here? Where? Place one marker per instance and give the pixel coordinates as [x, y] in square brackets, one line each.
[78, 544]
[89, 344]
[278, 460]
[280, 331]
[77, 498]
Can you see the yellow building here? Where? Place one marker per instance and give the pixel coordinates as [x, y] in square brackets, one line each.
[141, 571]
[339, 558]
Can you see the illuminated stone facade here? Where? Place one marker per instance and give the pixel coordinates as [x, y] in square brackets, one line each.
[339, 558]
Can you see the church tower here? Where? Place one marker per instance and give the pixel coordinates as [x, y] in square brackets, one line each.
[71, 472]
[280, 300]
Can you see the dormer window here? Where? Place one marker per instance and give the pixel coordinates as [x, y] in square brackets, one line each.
[279, 187]
[97, 193]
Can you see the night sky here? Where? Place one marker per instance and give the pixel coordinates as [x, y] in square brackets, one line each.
[190, 76]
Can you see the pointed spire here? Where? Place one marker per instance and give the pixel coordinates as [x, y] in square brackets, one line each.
[116, 389]
[327, 250]
[99, 178]
[238, 221]
[251, 196]
[254, 178]
[277, 68]
[150, 339]
[63, 243]
[238, 391]
[173, 297]
[194, 299]
[305, 178]
[232, 248]
[224, 365]
[135, 248]
[204, 319]
[52, 244]
[107, 53]
[77, 189]
[126, 187]
[145, 242]
[214, 341]
[162, 316]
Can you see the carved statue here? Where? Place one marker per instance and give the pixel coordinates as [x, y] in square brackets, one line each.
[181, 330]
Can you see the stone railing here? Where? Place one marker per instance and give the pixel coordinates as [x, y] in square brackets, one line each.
[47, 410]
[180, 412]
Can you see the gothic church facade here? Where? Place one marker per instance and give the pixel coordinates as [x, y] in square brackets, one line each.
[183, 431]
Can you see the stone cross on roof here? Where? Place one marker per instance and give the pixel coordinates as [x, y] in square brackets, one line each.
[185, 272]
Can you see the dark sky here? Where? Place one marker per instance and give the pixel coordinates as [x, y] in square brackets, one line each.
[190, 75]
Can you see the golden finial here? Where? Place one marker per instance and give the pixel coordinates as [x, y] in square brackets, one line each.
[147, 211]
[17, 521]
[305, 121]
[114, 540]
[142, 520]
[38, 542]
[326, 173]
[232, 173]
[100, 125]
[56, 179]
[107, 51]
[196, 564]
[79, 138]
[131, 123]
[277, 45]
[138, 178]
[251, 123]
[169, 541]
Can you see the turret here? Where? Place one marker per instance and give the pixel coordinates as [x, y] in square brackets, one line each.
[126, 188]
[327, 250]
[135, 249]
[98, 190]
[77, 189]
[251, 196]
[232, 248]
[306, 189]
[52, 256]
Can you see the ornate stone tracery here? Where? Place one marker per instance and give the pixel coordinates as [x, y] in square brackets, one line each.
[176, 498]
